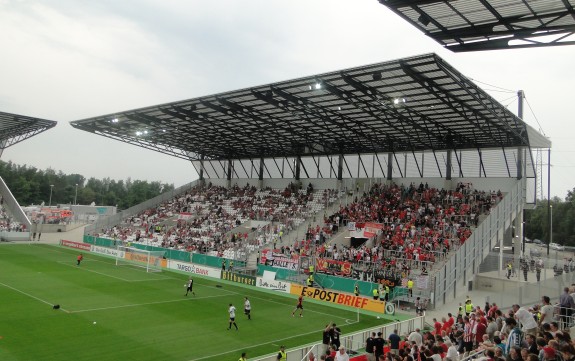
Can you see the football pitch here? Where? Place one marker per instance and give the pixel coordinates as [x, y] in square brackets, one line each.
[110, 312]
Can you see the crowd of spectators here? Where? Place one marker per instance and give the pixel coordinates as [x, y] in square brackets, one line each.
[421, 224]
[538, 333]
[7, 223]
[209, 218]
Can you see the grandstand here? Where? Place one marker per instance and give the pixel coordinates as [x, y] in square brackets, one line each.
[395, 170]
[400, 123]
[14, 128]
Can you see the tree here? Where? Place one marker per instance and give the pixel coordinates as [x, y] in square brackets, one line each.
[32, 186]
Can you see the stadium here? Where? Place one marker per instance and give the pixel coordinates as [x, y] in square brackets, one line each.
[381, 196]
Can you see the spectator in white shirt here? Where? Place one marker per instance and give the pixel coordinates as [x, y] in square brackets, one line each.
[416, 337]
[526, 319]
[341, 355]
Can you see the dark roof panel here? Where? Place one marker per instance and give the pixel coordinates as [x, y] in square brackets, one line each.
[15, 128]
[468, 25]
[412, 104]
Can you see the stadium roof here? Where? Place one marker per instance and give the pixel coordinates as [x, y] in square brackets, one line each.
[469, 25]
[412, 104]
[16, 128]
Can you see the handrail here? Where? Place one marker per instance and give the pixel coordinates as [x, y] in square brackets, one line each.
[355, 341]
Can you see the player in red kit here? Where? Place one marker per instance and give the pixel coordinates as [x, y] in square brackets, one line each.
[298, 306]
[79, 259]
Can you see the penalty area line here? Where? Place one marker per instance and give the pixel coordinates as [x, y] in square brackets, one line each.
[107, 275]
[31, 296]
[143, 304]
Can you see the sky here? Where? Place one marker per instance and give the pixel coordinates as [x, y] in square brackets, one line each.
[67, 60]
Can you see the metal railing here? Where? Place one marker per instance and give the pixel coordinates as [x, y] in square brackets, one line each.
[463, 264]
[354, 342]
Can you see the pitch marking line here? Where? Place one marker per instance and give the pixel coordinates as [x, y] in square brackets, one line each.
[108, 262]
[143, 304]
[31, 296]
[107, 275]
[261, 344]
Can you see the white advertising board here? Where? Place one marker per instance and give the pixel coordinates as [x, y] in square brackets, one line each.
[194, 269]
[279, 286]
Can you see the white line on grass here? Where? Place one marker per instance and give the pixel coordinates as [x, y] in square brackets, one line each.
[89, 270]
[29, 295]
[108, 262]
[118, 278]
[261, 344]
[143, 304]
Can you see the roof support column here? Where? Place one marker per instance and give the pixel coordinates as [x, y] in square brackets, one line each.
[389, 167]
[297, 167]
[229, 174]
[202, 168]
[520, 149]
[2, 145]
[340, 172]
[448, 184]
[340, 168]
[261, 173]
[448, 166]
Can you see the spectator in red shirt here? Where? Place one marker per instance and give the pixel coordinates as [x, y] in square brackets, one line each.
[480, 330]
[437, 327]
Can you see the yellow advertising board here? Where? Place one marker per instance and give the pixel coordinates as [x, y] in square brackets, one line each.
[343, 299]
[144, 259]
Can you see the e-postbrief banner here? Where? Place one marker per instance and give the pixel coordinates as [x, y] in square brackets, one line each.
[338, 298]
[108, 251]
[273, 285]
[78, 245]
[194, 269]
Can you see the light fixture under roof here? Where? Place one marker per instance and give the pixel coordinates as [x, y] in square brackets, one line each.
[115, 120]
[398, 101]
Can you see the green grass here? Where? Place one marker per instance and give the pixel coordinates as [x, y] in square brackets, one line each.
[139, 315]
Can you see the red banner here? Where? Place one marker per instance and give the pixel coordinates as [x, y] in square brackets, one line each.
[184, 216]
[330, 266]
[371, 229]
[78, 245]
